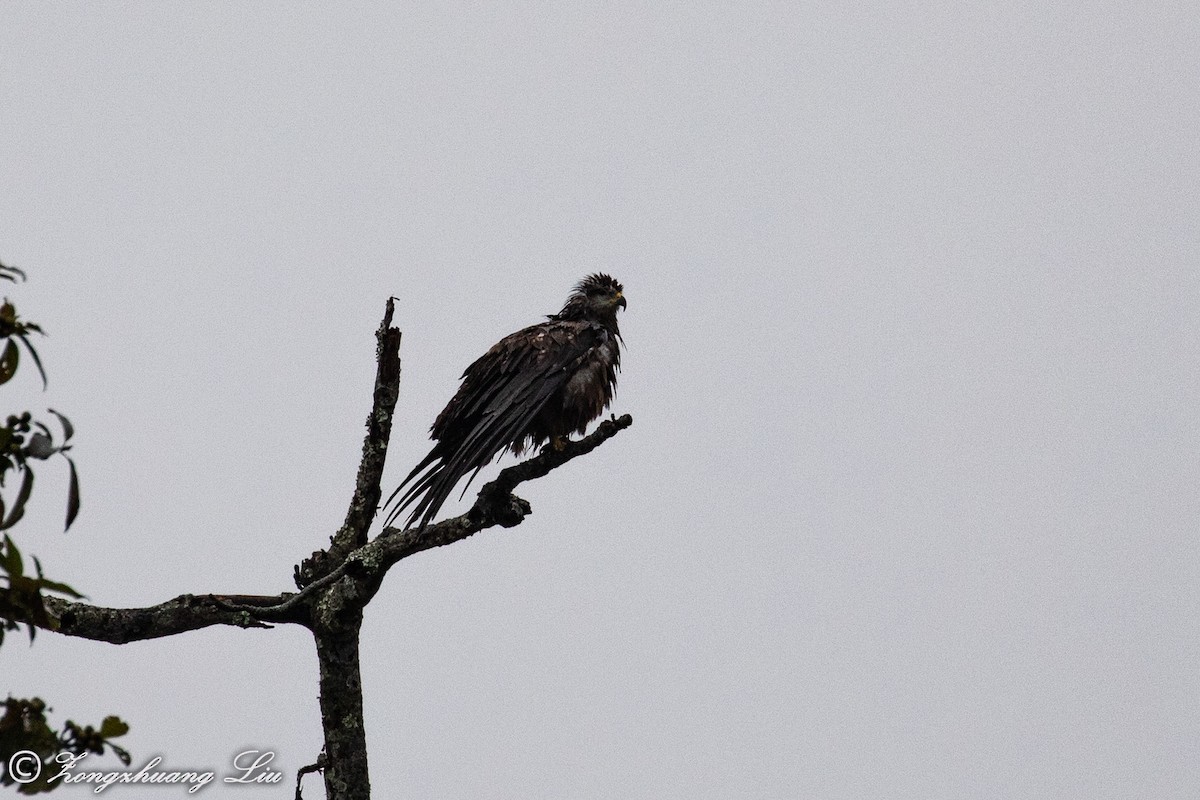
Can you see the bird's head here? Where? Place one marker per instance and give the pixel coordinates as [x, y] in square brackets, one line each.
[596, 296]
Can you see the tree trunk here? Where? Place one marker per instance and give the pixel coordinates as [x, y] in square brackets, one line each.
[346, 775]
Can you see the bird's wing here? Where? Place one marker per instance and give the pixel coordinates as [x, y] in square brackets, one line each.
[500, 395]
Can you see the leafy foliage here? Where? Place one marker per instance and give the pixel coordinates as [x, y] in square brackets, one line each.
[23, 596]
[24, 727]
[14, 330]
[19, 444]
[23, 440]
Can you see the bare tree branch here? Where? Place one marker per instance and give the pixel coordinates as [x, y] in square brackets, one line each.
[365, 502]
[316, 766]
[120, 625]
[337, 583]
[367, 565]
[494, 505]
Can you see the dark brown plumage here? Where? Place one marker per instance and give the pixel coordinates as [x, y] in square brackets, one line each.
[534, 386]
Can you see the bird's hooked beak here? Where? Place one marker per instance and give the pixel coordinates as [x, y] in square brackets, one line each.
[621, 300]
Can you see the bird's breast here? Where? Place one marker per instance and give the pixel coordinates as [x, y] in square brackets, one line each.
[591, 380]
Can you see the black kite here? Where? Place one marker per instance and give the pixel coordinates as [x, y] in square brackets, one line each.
[537, 385]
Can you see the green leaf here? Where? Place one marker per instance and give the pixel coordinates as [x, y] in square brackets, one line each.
[18, 509]
[39, 446]
[37, 361]
[13, 564]
[113, 726]
[17, 272]
[8, 362]
[72, 496]
[61, 588]
[121, 753]
[68, 428]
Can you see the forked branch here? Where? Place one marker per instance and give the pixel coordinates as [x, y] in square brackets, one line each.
[335, 583]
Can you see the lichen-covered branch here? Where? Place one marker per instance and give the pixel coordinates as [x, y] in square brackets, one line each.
[550, 459]
[365, 502]
[495, 505]
[187, 612]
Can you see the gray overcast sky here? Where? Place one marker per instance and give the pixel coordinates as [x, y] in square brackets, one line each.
[909, 508]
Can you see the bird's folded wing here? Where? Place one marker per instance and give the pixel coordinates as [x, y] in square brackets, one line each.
[501, 394]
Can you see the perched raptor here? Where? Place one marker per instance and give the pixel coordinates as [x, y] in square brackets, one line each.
[534, 386]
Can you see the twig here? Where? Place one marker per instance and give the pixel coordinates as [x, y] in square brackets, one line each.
[318, 766]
